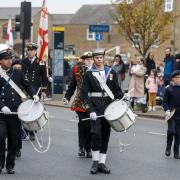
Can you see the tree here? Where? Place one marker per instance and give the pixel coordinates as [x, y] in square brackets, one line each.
[143, 22]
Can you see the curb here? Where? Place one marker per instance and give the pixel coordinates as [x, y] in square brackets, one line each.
[153, 116]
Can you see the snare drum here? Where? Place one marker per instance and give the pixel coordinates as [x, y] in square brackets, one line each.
[119, 115]
[34, 117]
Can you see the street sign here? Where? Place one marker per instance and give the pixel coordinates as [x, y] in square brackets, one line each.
[98, 37]
[99, 28]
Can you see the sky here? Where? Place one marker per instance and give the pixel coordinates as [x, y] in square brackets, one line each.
[55, 6]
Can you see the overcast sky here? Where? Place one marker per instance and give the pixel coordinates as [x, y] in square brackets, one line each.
[55, 6]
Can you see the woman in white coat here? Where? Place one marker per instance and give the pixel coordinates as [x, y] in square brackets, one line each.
[137, 72]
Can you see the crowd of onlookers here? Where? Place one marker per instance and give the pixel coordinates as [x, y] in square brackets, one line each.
[148, 79]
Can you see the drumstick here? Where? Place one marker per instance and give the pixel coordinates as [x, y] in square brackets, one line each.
[97, 117]
[13, 113]
[128, 93]
[34, 100]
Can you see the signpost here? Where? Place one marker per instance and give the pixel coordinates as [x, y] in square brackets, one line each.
[58, 60]
[99, 28]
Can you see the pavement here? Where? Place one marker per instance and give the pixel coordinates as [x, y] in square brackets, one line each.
[158, 114]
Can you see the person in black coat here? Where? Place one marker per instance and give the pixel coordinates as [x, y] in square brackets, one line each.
[34, 69]
[10, 99]
[171, 105]
[150, 63]
[177, 62]
[96, 100]
[35, 72]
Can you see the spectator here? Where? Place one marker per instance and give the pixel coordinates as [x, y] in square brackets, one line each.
[161, 90]
[150, 63]
[168, 66]
[177, 62]
[119, 68]
[152, 83]
[137, 72]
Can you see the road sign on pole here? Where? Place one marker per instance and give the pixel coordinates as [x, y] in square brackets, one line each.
[100, 28]
[98, 37]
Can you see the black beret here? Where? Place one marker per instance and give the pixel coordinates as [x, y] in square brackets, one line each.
[18, 61]
[175, 73]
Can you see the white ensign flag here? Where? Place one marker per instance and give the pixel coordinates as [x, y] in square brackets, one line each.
[9, 35]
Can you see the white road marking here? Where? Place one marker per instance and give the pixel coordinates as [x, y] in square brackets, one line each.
[69, 130]
[156, 133]
[73, 120]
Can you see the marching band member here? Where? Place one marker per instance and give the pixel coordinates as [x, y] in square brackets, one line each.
[11, 84]
[84, 134]
[35, 71]
[100, 86]
[171, 105]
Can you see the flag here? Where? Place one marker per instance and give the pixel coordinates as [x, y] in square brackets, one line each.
[42, 52]
[9, 35]
[168, 6]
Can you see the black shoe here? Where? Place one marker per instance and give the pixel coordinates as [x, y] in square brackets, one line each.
[0, 170]
[94, 167]
[168, 152]
[103, 169]
[10, 170]
[88, 154]
[81, 152]
[18, 154]
[176, 156]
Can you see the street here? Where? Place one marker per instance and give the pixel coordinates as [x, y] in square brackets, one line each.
[142, 159]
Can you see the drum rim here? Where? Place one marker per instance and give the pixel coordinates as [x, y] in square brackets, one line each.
[33, 119]
[118, 117]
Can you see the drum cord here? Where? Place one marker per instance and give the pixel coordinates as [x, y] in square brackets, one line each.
[49, 141]
[122, 145]
[37, 140]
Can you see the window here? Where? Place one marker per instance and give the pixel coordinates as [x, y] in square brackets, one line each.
[168, 5]
[91, 36]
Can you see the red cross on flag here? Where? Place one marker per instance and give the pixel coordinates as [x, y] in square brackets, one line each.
[42, 52]
[9, 35]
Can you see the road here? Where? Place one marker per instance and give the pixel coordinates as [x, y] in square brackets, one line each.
[142, 157]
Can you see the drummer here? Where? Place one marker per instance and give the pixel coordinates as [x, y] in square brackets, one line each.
[11, 83]
[96, 97]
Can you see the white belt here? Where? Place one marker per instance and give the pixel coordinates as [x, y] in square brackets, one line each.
[98, 94]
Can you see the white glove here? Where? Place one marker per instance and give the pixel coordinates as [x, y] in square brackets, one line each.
[36, 98]
[127, 96]
[93, 116]
[50, 79]
[167, 115]
[6, 110]
[65, 101]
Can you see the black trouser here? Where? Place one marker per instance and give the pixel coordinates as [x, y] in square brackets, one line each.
[100, 130]
[174, 133]
[9, 128]
[20, 136]
[84, 131]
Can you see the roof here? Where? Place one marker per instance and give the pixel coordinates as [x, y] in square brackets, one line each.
[6, 12]
[59, 19]
[94, 14]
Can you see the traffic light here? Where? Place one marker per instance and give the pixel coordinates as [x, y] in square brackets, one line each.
[17, 20]
[23, 21]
